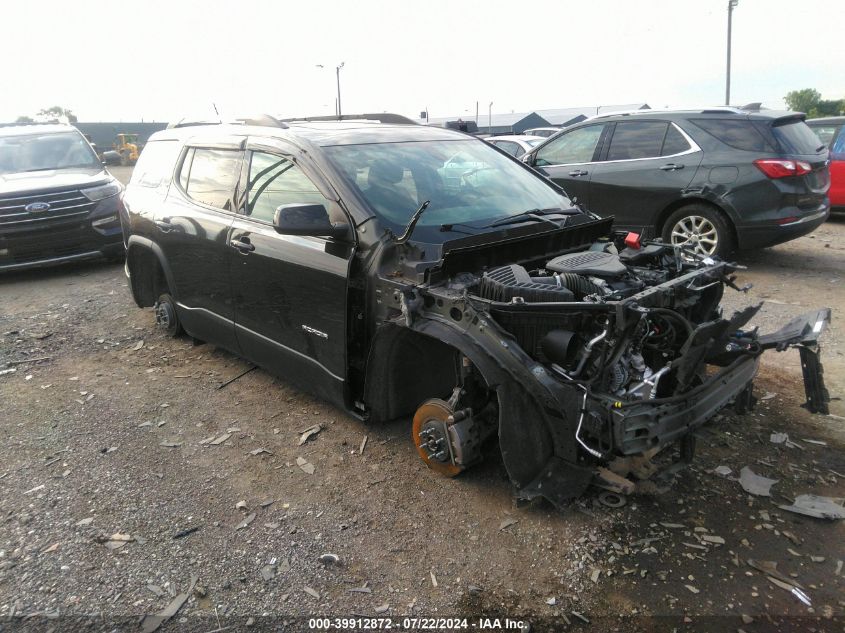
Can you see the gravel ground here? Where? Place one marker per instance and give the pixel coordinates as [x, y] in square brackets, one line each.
[120, 441]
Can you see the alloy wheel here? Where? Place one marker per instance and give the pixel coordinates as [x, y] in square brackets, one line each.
[696, 232]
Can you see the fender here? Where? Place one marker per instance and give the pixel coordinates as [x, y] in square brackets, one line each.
[138, 242]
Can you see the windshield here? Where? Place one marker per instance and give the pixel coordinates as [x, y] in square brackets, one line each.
[39, 152]
[467, 181]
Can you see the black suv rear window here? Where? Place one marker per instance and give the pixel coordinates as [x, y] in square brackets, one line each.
[796, 137]
[739, 134]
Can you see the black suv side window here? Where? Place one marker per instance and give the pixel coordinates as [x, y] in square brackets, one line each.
[275, 180]
[155, 165]
[674, 143]
[577, 146]
[209, 176]
[637, 139]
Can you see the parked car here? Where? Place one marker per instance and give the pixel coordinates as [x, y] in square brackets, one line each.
[544, 132]
[516, 145]
[716, 180]
[346, 257]
[831, 132]
[57, 201]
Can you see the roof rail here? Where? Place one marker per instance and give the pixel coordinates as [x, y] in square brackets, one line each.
[381, 117]
[264, 120]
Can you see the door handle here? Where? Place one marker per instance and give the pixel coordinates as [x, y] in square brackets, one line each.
[164, 225]
[578, 172]
[672, 167]
[243, 245]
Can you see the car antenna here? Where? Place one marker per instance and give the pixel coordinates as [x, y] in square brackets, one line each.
[411, 225]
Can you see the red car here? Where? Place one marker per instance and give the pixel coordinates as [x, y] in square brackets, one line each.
[831, 132]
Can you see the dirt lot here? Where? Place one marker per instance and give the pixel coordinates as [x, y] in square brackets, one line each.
[116, 441]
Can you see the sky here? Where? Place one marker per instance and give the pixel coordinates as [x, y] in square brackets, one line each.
[161, 61]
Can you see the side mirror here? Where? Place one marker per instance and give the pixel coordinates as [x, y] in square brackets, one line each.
[528, 159]
[307, 219]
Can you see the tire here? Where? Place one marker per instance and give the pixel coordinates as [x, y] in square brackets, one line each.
[166, 316]
[702, 228]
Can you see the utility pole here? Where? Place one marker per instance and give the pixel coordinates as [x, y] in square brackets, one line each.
[339, 116]
[731, 5]
[490, 118]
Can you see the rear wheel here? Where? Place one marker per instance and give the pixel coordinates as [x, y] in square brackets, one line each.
[702, 229]
[166, 318]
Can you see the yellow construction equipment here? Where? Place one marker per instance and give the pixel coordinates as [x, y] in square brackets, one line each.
[127, 146]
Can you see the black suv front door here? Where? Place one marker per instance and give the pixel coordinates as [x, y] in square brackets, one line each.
[643, 169]
[568, 160]
[289, 291]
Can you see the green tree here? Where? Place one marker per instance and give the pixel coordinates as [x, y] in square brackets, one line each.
[828, 107]
[24, 119]
[803, 100]
[58, 111]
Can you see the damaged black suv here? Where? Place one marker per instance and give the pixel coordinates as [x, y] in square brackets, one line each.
[400, 270]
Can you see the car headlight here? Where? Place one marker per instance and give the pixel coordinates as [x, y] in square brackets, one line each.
[103, 191]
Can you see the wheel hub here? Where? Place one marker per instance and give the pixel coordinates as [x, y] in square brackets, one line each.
[696, 232]
[164, 315]
[431, 436]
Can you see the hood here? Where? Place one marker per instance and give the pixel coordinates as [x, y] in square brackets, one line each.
[53, 179]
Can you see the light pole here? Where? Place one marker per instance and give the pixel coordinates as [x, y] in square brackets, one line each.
[490, 118]
[731, 5]
[338, 87]
[337, 71]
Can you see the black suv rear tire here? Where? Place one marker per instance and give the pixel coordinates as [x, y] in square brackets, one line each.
[706, 230]
[166, 317]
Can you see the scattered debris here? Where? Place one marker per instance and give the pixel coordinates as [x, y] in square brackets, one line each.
[170, 444]
[611, 499]
[692, 589]
[580, 617]
[52, 548]
[755, 484]
[709, 538]
[118, 540]
[36, 489]
[778, 438]
[329, 559]
[153, 622]
[818, 507]
[240, 375]
[507, 523]
[240, 505]
[363, 445]
[186, 532]
[259, 451]
[138, 345]
[551, 601]
[308, 433]
[838, 567]
[268, 572]
[245, 523]
[672, 526]
[609, 480]
[85, 521]
[158, 591]
[382, 608]
[433, 579]
[311, 592]
[595, 575]
[769, 395]
[219, 440]
[3, 372]
[817, 442]
[305, 465]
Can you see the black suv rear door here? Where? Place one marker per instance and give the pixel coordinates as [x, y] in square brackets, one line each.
[192, 230]
[289, 291]
[644, 168]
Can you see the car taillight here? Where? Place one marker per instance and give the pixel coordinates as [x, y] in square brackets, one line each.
[777, 168]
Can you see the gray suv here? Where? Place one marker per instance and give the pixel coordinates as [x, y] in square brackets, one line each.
[714, 180]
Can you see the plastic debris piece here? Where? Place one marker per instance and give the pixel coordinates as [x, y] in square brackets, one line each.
[692, 589]
[245, 523]
[778, 438]
[305, 465]
[755, 484]
[219, 440]
[818, 507]
[311, 592]
[723, 471]
[507, 523]
[307, 434]
[153, 622]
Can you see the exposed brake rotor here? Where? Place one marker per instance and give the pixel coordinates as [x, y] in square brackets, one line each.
[431, 436]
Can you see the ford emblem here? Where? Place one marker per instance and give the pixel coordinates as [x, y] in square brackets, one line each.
[37, 207]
